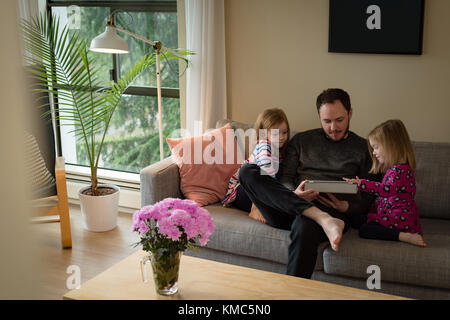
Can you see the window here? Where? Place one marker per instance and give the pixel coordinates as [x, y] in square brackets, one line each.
[133, 141]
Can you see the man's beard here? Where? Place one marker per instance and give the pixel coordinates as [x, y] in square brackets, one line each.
[346, 131]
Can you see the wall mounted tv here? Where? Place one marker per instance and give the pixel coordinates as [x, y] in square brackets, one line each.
[376, 26]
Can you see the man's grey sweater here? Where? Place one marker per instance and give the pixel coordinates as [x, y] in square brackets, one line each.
[311, 155]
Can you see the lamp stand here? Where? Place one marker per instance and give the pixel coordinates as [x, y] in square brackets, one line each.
[157, 47]
[158, 89]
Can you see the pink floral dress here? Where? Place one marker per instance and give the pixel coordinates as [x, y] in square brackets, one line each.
[394, 206]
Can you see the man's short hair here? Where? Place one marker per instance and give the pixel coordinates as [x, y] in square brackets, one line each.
[331, 95]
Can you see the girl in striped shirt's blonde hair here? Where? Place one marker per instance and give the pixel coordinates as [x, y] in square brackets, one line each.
[273, 133]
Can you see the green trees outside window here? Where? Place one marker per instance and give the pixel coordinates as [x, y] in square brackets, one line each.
[133, 141]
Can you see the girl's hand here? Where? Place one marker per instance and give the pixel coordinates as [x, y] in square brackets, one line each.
[357, 180]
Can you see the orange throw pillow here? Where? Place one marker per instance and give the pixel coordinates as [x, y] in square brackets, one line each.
[206, 164]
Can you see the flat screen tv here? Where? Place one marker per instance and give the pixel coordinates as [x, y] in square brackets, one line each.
[376, 26]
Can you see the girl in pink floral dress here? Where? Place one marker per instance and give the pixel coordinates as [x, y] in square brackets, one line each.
[394, 215]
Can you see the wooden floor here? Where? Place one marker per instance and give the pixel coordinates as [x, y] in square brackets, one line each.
[93, 252]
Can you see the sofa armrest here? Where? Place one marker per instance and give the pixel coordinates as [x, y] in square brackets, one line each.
[159, 181]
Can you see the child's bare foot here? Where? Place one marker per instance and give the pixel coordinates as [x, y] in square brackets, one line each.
[256, 214]
[333, 228]
[413, 238]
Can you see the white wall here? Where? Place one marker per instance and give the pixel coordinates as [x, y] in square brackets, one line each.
[18, 270]
[277, 55]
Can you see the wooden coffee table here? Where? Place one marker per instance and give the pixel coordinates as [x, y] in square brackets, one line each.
[202, 279]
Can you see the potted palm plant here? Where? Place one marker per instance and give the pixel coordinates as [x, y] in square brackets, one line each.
[62, 62]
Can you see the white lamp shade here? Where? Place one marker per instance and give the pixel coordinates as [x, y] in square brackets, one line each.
[109, 42]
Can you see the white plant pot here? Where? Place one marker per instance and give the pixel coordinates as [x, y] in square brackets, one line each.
[99, 213]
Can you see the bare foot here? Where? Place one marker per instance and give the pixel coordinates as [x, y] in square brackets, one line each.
[256, 214]
[413, 238]
[333, 228]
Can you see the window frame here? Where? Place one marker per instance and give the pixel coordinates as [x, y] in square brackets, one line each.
[129, 6]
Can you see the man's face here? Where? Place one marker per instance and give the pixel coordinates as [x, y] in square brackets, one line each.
[335, 120]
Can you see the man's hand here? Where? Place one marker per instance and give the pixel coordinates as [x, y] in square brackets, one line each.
[339, 205]
[308, 195]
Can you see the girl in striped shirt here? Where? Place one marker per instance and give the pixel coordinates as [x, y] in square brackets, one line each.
[272, 133]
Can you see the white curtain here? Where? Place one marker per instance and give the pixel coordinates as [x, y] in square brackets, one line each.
[206, 99]
[29, 9]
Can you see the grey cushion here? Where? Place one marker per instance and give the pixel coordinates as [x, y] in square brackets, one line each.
[395, 288]
[243, 141]
[244, 144]
[433, 179]
[234, 124]
[398, 261]
[236, 233]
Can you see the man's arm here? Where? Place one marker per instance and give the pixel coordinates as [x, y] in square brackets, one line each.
[359, 203]
[289, 173]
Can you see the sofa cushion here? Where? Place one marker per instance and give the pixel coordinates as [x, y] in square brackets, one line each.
[432, 179]
[205, 165]
[243, 140]
[234, 232]
[398, 261]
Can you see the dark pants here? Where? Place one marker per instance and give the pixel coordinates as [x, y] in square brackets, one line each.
[242, 201]
[373, 230]
[283, 209]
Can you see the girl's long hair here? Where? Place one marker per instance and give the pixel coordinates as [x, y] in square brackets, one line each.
[393, 137]
[270, 118]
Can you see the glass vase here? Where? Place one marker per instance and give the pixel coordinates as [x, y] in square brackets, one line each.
[165, 269]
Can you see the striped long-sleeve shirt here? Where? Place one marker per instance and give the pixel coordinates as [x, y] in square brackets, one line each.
[264, 158]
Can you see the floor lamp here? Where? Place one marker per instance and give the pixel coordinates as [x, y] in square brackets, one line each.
[110, 42]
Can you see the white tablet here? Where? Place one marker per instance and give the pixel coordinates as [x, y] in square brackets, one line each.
[332, 186]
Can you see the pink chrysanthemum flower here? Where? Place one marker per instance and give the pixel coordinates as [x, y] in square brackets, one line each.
[173, 222]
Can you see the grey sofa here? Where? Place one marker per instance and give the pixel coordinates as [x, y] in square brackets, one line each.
[406, 270]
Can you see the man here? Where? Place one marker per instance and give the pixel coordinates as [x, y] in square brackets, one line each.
[328, 153]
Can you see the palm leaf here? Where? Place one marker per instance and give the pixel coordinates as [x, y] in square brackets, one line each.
[65, 68]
